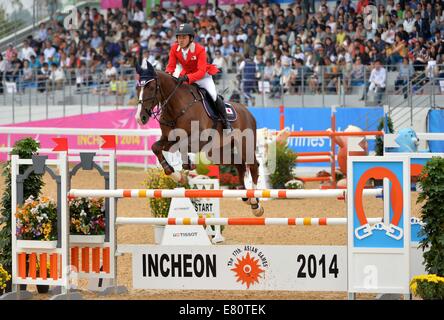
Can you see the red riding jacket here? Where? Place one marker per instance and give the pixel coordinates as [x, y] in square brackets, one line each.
[195, 66]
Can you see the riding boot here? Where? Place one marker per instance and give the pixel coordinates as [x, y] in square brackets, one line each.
[220, 105]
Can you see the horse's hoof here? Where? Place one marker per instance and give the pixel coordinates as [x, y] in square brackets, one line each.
[168, 170]
[188, 166]
[258, 212]
[246, 200]
[176, 176]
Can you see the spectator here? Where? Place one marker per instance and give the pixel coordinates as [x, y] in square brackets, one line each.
[110, 71]
[57, 77]
[49, 52]
[15, 71]
[96, 40]
[27, 76]
[26, 52]
[276, 82]
[405, 75]
[3, 64]
[377, 81]
[41, 34]
[357, 73]
[247, 68]
[220, 63]
[42, 77]
[10, 52]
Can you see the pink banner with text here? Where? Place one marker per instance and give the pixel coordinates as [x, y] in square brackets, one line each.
[118, 119]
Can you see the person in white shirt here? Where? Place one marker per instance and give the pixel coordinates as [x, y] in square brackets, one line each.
[26, 52]
[169, 18]
[377, 81]
[57, 77]
[49, 52]
[144, 35]
[110, 70]
[41, 34]
[220, 63]
[139, 16]
[409, 22]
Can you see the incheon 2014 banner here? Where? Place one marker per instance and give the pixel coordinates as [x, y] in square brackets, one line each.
[117, 119]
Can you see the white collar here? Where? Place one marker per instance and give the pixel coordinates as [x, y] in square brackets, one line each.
[191, 47]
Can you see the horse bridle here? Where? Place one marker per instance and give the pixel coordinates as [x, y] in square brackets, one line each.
[163, 102]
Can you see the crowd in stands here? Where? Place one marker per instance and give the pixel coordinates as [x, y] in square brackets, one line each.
[316, 46]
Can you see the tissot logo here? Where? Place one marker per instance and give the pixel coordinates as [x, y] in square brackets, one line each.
[179, 265]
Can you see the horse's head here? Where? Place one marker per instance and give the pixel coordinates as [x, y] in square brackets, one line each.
[147, 92]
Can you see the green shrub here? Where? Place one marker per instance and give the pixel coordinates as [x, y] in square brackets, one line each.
[379, 142]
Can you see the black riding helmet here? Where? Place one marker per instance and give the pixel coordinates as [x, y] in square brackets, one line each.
[185, 29]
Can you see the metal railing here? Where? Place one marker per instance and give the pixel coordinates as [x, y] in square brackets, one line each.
[82, 88]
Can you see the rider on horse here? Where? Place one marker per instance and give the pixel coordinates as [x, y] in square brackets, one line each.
[190, 60]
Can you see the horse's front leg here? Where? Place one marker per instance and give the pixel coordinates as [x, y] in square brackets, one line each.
[163, 145]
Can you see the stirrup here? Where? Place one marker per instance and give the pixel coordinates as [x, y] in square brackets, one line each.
[226, 127]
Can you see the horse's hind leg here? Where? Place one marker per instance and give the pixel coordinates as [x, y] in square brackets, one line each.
[256, 207]
[241, 173]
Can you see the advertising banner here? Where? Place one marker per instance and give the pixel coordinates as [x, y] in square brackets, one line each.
[118, 119]
[240, 267]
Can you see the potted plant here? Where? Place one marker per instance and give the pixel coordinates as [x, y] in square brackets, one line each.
[285, 163]
[25, 148]
[428, 286]
[37, 223]
[157, 179]
[87, 217]
[5, 280]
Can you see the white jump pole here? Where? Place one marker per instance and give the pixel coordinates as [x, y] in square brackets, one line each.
[238, 221]
[183, 193]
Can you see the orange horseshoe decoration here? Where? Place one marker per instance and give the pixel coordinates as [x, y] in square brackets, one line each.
[396, 201]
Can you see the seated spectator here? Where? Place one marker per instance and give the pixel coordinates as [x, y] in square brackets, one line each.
[56, 77]
[357, 73]
[26, 52]
[49, 51]
[377, 82]
[15, 70]
[397, 52]
[42, 77]
[96, 40]
[220, 63]
[27, 76]
[10, 52]
[276, 82]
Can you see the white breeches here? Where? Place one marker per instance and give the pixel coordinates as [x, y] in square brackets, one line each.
[208, 84]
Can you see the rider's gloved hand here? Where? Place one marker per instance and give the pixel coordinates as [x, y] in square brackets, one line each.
[183, 79]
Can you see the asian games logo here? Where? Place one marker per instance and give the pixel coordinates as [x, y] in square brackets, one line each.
[248, 265]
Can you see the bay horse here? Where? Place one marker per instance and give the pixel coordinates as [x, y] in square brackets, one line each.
[177, 106]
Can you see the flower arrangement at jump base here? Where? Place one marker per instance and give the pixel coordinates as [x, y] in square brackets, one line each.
[87, 216]
[37, 219]
[5, 277]
[428, 286]
[157, 179]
